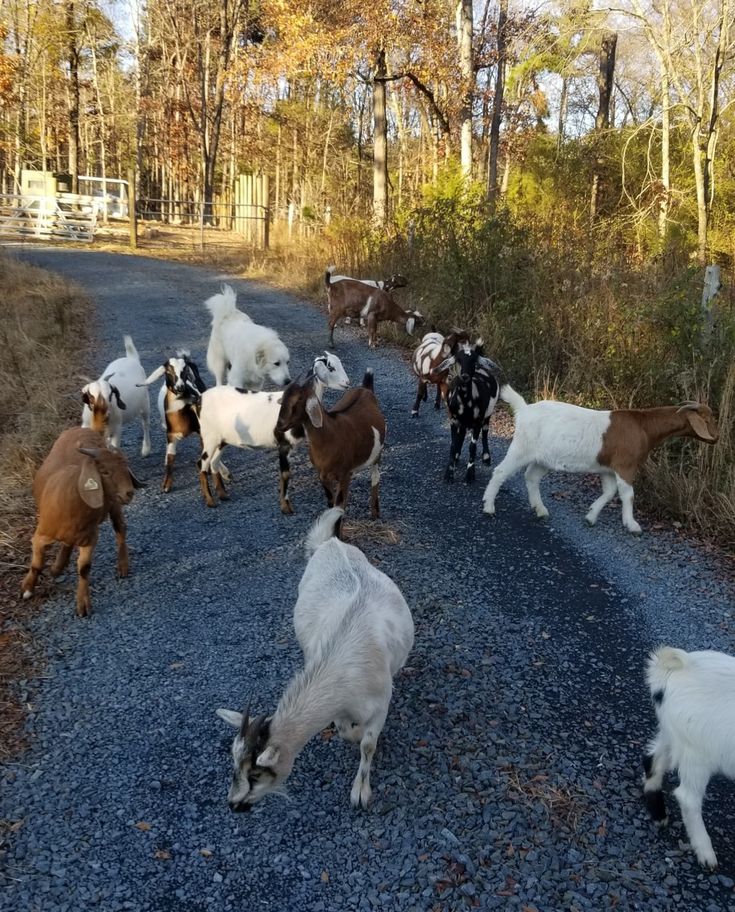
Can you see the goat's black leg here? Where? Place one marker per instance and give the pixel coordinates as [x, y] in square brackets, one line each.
[329, 491]
[485, 447]
[458, 432]
[420, 397]
[438, 400]
[470, 474]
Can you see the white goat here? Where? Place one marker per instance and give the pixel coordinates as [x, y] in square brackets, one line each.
[229, 416]
[253, 352]
[694, 697]
[356, 631]
[558, 436]
[118, 397]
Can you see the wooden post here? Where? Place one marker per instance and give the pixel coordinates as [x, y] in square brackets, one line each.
[711, 290]
[131, 209]
[265, 211]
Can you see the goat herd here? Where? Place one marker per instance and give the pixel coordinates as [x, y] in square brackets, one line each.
[352, 622]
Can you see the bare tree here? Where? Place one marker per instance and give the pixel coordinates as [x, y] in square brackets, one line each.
[464, 40]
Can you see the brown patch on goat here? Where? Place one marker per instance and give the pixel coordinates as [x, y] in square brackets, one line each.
[633, 433]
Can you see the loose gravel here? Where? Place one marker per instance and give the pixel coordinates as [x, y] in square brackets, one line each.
[508, 773]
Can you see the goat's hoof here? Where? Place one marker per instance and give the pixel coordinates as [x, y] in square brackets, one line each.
[286, 508]
[83, 609]
[223, 496]
[488, 511]
[635, 529]
[28, 593]
[210, 503]
[469, 477]
[122, 572]
[541, 514]
[486, 460]
[414, 414]
[145, 452]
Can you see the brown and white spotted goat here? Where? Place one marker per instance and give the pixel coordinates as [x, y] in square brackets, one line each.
[431, 351]
[179, 401]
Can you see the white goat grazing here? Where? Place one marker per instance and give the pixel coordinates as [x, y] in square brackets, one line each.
[356, 631]
[694, 697]
[558, 436]
[229, 416]
[117, 398]
[253, 352]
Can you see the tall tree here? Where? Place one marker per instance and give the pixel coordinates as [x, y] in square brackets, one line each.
[605, 78]
[464, 39]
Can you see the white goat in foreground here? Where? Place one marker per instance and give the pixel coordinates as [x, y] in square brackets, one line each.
[241, 352]
[558, 436]
[694, 697]
[356, 631]
[117, 398]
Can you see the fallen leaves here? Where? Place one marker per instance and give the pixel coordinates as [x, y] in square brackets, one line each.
[162, 855]
[143, 826]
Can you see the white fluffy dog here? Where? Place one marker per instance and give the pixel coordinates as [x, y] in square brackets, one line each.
[251, 352]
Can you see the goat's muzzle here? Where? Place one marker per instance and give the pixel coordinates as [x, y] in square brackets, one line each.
[240, 807]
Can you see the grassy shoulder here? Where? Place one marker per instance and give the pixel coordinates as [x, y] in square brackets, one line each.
[43, 335]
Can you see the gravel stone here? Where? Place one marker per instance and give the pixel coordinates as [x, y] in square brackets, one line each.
[508, 772]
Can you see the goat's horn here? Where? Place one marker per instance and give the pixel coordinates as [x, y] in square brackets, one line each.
[157, 373]
[84, 378]
[90, 451]
[688, 407]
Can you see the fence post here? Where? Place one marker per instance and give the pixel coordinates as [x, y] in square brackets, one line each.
[711, 289]
[266, 228]
[131, 209]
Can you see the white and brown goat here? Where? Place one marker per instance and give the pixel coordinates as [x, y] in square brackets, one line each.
[78, 485]
[342, 440]
[558, 436]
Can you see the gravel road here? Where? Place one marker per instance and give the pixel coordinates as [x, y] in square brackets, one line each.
[508, 773]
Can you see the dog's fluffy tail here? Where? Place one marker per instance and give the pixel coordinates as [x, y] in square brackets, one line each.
[324, 528]
[509, 395]
[223, 304]
[130, 350]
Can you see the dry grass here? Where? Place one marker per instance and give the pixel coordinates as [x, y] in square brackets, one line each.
[359, 531]
[565, 805]
[42, 335]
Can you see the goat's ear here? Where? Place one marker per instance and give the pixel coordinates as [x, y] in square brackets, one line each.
[86, 398]
[699, 426]
[116, 394]
[230, 716]
[269, 757]
[314, 411]
[89, 483]
[410, 324]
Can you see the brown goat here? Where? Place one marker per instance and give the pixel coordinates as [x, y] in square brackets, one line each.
[348, 298]
[79, 483]
[381, 308]
[342, 440]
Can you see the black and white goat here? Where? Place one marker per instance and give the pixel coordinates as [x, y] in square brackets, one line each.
[179, 400]
[473, 394]
[356, 631]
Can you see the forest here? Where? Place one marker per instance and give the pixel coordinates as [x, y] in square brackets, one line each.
[555, 177]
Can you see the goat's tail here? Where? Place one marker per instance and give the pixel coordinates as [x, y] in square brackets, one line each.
[368, 381]
[328, 275]
[509, 395]
[223, 304]
[324, 528]
[662, 663]
[130, 350]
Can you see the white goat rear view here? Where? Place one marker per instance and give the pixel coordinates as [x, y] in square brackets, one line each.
[356, 631]
[694, 697]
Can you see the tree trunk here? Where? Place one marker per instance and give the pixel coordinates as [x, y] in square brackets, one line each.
[663, 211]
[492, 171]
[73, 102]
[605, 78]
[380, 142]
[563, 102]
[464, 39]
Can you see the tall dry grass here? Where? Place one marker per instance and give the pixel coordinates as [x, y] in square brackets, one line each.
[566, 315]
[42, 333]
[44, 328]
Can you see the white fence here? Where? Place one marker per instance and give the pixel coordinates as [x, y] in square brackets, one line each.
[66, 216]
